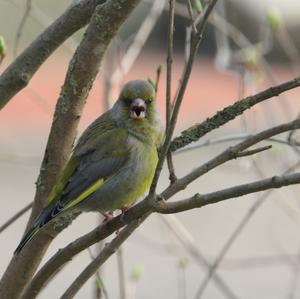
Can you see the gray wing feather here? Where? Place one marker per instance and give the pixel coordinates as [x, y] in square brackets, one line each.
[87, 174]
[97, 149]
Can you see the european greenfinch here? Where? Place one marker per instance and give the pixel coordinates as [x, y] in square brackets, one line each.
[112, 164]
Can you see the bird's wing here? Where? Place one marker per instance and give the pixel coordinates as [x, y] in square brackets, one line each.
[99, 154]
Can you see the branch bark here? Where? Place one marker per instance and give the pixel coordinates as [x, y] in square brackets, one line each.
[227, 155]
[198, 200]
[229, 113]
[15, 217]
[83, 68]
[108, 250]
[197, 38]
[146, 207]
[19, 73]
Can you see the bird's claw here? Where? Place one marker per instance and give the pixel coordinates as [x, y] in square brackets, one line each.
[107, 217]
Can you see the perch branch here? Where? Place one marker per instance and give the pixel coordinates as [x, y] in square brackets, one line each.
[229, 113]
[83, 68]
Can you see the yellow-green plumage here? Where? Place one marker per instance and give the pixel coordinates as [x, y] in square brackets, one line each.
[59, 186]
[112, 164]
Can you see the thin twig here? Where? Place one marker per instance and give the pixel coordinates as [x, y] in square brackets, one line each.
[121, 273]
[15, 217]
[139, 40]
[202, 20]
[253, 152]
[227, 155]
[21, 27]
[235, 137]
[235, 234]
[19, 73]
[172, 175]
[295, 277]
[243, 42]
[187, 240]
[80, 75]
[99, 283]
[108, 250]
[45, 20]
[169, 63]
[200, 200]
[229, 113]
[60, 258]
[190, 12]
[136, 46]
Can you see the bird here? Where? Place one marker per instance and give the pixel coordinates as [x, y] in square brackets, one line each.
[113, 163]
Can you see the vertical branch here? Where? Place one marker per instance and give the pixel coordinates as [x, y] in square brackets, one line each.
[121, 272]
[139, 40]
[172, 175]
[169, 62]
[113, 77]
[136, 46]
[295, 277]
[81, 73]
[190, 12]
[202, 21]
[100, 288]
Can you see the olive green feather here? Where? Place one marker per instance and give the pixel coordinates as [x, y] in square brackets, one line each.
[112, 164]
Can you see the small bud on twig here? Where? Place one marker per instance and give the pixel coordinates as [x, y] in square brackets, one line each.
[2, 49]
[274, 18]
[197, 6]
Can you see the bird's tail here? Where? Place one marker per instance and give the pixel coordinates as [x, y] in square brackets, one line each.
[40, 221]
[28, 236]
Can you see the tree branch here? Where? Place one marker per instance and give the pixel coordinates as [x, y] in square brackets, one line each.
[137, 211]
[229, 113]
[201, 23]
[108, 250]
[198, 200]
[227, 155]
[186, 239]
[15, 217]
[253, 152]
[19, 73]
[83, 68]
[171, 168]
[236, 232]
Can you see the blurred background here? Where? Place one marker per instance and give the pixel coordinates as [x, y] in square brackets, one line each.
[247, 47]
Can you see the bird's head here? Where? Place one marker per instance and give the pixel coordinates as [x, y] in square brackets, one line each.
[136, 103]
[137, 98]
[136, 107]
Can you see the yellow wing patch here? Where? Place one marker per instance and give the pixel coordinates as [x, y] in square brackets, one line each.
[63, 179]
[85, 194]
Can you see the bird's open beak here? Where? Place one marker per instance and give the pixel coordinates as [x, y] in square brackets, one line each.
[138, 109]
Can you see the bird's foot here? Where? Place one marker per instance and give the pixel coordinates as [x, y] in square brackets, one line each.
[107, 217]
[123, 211]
